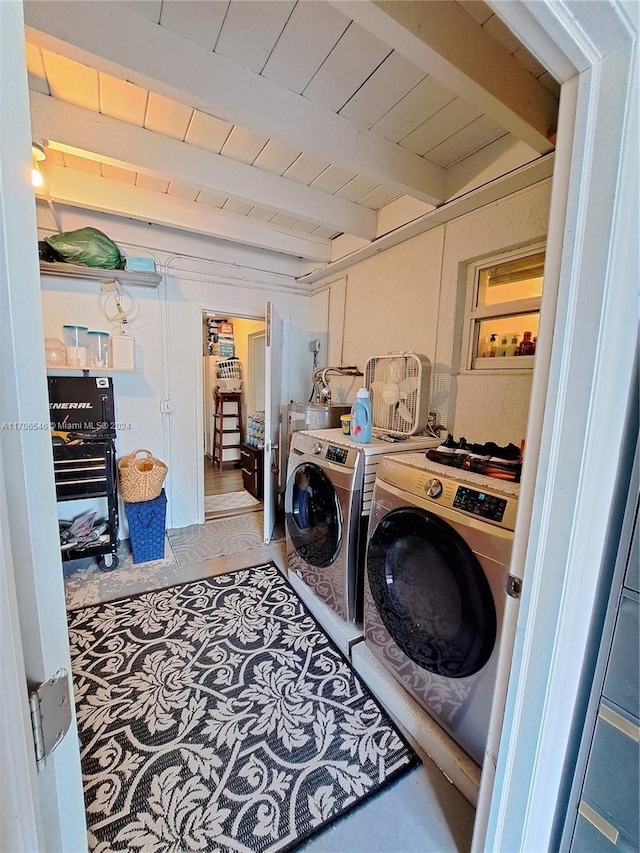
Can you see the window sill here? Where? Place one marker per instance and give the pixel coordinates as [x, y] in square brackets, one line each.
[506, 364]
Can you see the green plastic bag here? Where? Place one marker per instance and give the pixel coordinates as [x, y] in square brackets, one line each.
[87, 247]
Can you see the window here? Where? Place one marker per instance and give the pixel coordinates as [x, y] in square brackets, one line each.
[503, 311]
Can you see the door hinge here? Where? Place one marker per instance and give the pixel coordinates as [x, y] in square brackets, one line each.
[50, 705]
[514, 586]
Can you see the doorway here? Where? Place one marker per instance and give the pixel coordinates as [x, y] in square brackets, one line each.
[233, 410]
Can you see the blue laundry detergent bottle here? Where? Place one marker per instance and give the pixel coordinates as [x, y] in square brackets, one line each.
[361, 417]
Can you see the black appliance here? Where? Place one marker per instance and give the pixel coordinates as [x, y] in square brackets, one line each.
[82, 405]
[83, 427]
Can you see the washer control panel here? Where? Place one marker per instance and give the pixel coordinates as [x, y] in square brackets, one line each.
[479, 503]
[336, 454]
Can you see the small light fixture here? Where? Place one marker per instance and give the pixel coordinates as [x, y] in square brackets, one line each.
[37, 156]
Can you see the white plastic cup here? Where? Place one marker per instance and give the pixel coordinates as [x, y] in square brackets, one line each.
[99, 349]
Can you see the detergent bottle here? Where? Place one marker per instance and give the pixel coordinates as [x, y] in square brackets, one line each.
[361, 417]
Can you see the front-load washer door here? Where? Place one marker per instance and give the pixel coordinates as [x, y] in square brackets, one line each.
[313, 515]
[431, 593]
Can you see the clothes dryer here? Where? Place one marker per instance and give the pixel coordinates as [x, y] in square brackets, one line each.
[330, 481]
[437, 572]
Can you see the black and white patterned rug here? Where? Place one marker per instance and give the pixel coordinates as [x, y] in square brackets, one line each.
[216, 715]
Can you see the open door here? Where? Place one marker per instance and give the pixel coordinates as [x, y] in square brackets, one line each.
[272, 407]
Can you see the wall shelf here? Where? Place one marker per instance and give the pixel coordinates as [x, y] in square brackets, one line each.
[126, 278]
[88, 371]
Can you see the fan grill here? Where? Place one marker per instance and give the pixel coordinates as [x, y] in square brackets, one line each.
[399, 389]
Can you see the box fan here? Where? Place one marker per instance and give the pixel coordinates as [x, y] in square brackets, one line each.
[399, 386]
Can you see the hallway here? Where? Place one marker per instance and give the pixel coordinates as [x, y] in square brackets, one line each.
[218, 484]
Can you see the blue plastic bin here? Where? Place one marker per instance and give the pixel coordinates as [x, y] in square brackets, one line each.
[146, 528]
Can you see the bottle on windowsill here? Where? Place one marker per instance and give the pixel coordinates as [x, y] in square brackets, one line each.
[512, 348]
[526, 346]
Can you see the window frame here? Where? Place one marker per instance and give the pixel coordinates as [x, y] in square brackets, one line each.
[474, 314]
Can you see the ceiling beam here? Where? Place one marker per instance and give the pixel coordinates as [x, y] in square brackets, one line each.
[444, 41]
[99, 137]
[80, 189]
[109, 37]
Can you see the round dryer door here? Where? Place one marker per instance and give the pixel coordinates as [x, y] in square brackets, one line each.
[313, 515]
[431, 593]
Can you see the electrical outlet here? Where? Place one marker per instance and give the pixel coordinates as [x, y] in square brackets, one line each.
[433, 420]
[314, 346]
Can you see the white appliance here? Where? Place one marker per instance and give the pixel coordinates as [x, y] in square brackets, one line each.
[436, 581]
[330, 481]
[399, 385]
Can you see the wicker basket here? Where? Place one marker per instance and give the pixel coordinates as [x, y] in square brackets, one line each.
[141, 476]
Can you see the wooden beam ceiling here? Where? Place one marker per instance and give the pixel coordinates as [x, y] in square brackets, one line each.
[109, 37]
[444, 41]
[80, 189]
[99, 137]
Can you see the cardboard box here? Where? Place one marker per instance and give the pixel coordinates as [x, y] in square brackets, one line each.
[225, 350]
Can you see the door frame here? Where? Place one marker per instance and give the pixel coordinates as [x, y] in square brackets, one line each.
[50, 810]
[253, 338]
[589, 47]
[200, 309]
[579, 402]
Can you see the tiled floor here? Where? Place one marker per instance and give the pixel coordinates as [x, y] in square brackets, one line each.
[422, 812]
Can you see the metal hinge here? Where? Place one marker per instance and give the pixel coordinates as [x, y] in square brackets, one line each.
[514, 586]
[50, 714]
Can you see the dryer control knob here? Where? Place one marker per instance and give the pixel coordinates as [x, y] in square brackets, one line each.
[317, 450]
[433, 488]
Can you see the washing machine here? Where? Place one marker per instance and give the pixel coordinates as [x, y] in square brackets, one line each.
[330, 480]
[437, 581]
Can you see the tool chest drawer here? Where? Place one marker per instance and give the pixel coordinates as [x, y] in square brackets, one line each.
[83, 471]
[252, 476]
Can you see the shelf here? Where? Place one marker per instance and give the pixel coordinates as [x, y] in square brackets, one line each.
[127, 278]
[87, 371]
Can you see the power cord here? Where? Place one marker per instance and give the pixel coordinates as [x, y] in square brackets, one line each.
[125, 307]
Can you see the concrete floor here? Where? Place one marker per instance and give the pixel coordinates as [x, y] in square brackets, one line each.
[422, 812]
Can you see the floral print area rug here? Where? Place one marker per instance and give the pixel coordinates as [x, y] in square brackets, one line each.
[216, 716]
[217, 538]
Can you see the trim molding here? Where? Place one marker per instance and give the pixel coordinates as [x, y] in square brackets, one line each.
[520, 179]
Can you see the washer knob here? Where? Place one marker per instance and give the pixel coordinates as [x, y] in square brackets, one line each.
[317, 450]
[433, 488]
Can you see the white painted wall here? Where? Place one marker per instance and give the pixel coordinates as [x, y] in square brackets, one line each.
[483, 407]
[411, 297]
[168, 333]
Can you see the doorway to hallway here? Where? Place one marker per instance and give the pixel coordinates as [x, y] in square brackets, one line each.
[231, 348]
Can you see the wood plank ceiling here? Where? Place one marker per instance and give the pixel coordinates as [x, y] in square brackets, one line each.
[276, 123]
